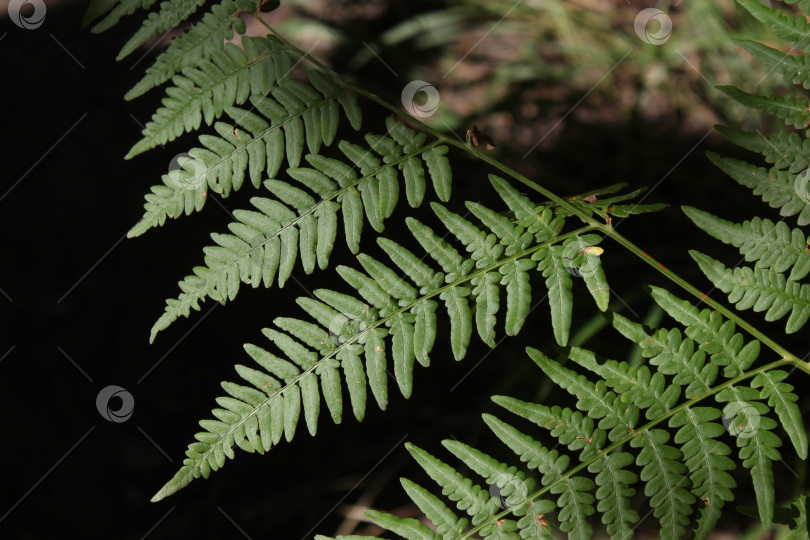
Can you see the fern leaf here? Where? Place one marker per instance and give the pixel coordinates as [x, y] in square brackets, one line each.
[560, 297]
[468, 496]
[204, 92]
[774, 245]
[448, 525]
[714, 335]
[188, 49]
[760, 289]
[793, 28]
[794, 110]
[706, 460]
[615, 417]
[270, 239]
[666, 482]
[114, 11]
[777, 188]
[793, 68]
[780, 396]
[405, 527]
[756, 441]
[170, 14]
[672, 354]
[785, 149]
[635, 385]
[97, 8]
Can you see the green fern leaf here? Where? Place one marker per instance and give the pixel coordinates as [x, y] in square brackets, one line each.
[114, 11]
[774, 245]
[760, 289]
[615, 417]
[170, 14]
[448, 525]
[780, 396]
[777, 188]
[204, 92]
[666, 482]
[560, 297]
[786, 26]
[793, 68]
[706, 460]
[189, 48]
[794, 110]
[714, 335]
[756, 441]
[270, 240]
[785, 149]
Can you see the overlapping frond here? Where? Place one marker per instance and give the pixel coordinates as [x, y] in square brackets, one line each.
[681, 459]
[256, 145]
[266, 241]
[393, 313]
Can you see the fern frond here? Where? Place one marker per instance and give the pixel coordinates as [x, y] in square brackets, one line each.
[254, 418]
[774, 245]
[777, 188]
[204, 92]
[170, 14]
[756, 441]
[257, 146]
[793, 68]
[794, 110]
[678, 472]
[785, 149]
[760, 289]
[113, 11]
[205, 37]
[793, 28]
[266, 242]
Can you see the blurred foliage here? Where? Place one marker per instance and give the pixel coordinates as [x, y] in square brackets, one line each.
[517, 69]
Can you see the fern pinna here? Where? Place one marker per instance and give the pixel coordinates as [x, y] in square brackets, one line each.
[696, 379]
[279, 118]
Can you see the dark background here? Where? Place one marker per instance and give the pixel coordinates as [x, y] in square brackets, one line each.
[79, 302]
